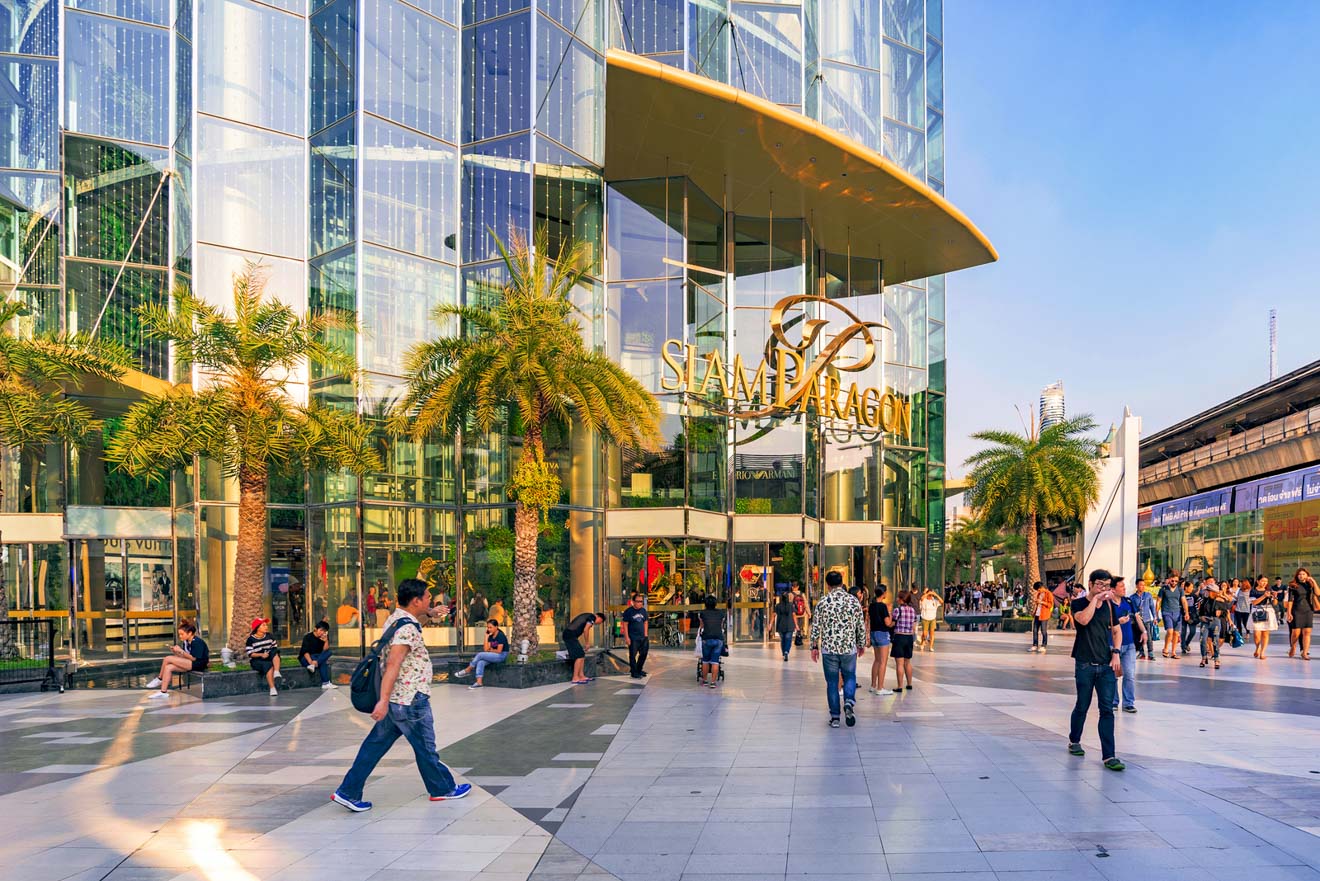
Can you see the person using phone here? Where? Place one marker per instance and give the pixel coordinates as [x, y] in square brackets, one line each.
[1095, 653]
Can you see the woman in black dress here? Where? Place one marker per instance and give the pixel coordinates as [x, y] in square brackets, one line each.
[1303, 597]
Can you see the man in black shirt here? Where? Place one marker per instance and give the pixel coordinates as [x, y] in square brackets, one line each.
[314, 654]
[1096, 651]
[635, 635]
[572, 635]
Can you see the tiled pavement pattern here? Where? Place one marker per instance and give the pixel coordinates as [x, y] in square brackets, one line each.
[964, 779]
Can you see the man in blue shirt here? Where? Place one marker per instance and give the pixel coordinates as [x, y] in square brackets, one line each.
[1134, 630]
[635, 635]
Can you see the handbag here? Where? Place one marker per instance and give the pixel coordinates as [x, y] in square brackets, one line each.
[1259, 614]
[1237, 638]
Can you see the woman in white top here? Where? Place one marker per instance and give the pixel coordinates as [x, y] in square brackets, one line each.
[930, 613]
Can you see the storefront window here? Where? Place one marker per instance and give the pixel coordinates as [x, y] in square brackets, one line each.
[333, 575]
[903, 566]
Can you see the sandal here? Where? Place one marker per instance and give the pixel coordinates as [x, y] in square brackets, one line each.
[1216, 665]
[1202, 662]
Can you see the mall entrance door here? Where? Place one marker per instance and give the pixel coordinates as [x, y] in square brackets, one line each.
[762, 571]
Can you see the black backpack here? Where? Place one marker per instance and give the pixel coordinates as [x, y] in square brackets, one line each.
[364, 684]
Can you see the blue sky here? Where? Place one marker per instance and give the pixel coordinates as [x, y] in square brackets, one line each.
[1147, 171]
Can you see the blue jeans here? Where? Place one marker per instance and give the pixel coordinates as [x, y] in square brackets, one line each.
[416, 724]
[785, 642]
[834, 665]
[1129, 659]
[322, 664]
[483, 658]
[1100, 679]
[1040, 633]
[1212, 630]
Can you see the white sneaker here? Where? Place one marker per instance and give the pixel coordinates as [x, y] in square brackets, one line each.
[279, 675]
[884, 692]
[155, 683]
[1042, 650]
[311, 665]
[159, 694]
[326, 686]
[1033, 649]
[274, 692]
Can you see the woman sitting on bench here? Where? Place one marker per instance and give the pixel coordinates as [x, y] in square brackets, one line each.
[190, 656]
[264, 653]
[494, 652]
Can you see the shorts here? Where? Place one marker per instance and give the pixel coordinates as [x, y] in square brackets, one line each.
[710, 650]
[928, 621]
[261, 666]
[1171, 622]
[880, 638]
[574, 646]
[903, 644]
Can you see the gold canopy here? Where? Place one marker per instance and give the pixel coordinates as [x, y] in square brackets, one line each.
[664, 121]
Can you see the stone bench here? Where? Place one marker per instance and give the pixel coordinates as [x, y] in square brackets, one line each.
[220, 681]
[511, 674]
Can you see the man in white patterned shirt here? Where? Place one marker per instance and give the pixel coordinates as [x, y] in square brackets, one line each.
[404, 707]
[838, 639]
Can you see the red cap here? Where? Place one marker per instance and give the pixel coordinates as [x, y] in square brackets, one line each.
[257, 622]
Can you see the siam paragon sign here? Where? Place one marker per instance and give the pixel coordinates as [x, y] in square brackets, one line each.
[789, 379]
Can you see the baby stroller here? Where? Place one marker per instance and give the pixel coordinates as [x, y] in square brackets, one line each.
[724, 654]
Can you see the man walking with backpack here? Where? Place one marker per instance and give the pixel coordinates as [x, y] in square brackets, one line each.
[403, 707]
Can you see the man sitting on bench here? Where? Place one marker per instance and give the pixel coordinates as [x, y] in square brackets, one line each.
[494, 652]
[190, 656]
[264, 653]
[314, 655]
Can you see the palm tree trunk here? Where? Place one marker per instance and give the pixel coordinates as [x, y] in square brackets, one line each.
[250, 571]
[1033, 547]
[526, 529]
[8, 647]
[526, 534]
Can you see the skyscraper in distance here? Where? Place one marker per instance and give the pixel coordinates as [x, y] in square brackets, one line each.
[1052, 410]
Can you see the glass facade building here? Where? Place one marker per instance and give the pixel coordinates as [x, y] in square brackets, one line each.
[366, 152]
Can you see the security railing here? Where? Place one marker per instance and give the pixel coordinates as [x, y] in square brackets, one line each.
[27, 652]
[1289, 427]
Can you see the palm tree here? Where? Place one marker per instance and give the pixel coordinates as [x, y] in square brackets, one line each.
[1021, 478]
[968, 536]
[241, 417]
[33, 408]
[524, 355]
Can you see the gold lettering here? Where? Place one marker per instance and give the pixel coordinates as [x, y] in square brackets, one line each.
[904, 417]
[740, 380]
[691, 367]
[671, 361]
[715, 371]
[782, 379]
[870, 412]
[852, 409]
[830, 404]
[809, 393]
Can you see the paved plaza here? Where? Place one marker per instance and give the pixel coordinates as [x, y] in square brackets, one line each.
[965, 778]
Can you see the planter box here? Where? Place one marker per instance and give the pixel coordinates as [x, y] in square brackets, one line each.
[221, 682]
[511, 674]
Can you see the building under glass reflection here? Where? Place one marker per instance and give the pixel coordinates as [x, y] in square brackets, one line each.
[364, 151]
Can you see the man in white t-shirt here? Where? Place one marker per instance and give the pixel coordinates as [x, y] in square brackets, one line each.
[930, 612]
